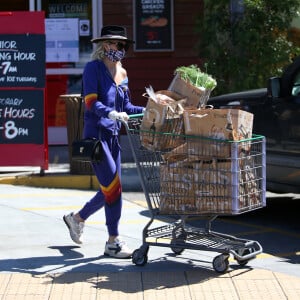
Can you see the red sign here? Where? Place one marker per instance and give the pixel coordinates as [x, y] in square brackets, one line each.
[23, 126]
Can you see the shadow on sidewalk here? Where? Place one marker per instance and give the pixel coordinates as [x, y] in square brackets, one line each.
[114, 275]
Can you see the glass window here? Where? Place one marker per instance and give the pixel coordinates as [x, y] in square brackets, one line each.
[296, 85]
[69, 29]
[68, 32]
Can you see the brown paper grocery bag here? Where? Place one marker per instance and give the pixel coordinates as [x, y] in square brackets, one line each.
[196, 97]
[162, 122]
[218, 125]
[196, 187]
[224, 124]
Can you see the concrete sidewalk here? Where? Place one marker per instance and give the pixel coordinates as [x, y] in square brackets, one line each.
[39, 261]
[198, 284]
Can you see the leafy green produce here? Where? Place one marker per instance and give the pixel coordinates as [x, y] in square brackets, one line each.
[196, 77]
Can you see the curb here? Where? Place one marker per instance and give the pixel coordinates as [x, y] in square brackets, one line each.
[67, 181]
[53, 179]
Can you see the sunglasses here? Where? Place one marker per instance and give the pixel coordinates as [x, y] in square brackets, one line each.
[120, 45]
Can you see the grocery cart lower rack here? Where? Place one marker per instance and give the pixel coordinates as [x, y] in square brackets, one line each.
[197, 177]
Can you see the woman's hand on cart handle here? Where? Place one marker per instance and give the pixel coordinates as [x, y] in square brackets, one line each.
[121, 116]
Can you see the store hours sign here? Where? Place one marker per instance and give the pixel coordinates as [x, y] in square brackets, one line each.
[23, 127]
[22, 117]
[22, 60]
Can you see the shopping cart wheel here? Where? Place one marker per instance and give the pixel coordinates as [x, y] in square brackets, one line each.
[221, 263]
[177, 250]
[243, 262]
[139, 258]
[180, 239]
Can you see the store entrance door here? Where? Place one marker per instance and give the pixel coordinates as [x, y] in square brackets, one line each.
[69, 28]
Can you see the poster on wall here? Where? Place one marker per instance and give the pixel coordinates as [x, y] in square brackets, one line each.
[62, 40]
[153, 25]
[22, 60]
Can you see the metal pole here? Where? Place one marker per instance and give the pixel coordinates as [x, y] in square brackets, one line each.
[97, 16]
[32, 5]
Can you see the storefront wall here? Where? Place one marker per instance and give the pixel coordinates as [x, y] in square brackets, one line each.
[69, 47]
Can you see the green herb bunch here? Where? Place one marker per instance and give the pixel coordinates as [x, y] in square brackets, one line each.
[196, 77]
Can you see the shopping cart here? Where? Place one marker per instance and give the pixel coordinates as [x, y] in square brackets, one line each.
[183, 182]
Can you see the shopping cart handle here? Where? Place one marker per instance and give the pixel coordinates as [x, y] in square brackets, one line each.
[136, 116]
[133, 116]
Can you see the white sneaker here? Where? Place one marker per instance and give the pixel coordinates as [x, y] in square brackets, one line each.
[75, 227]
[117, 249]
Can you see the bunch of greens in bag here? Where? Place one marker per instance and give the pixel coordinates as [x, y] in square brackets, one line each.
[196, 78]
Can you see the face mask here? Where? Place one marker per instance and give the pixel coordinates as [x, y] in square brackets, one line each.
[115, 55]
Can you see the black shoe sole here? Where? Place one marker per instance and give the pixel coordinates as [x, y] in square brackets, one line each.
[67, 224]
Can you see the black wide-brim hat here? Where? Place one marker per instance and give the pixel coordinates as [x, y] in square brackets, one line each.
[112, 32]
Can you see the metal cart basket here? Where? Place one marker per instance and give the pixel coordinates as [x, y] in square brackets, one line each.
[197, 177]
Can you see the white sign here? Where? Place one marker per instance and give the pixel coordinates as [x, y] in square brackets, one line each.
[62, 40]
[84, 27]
